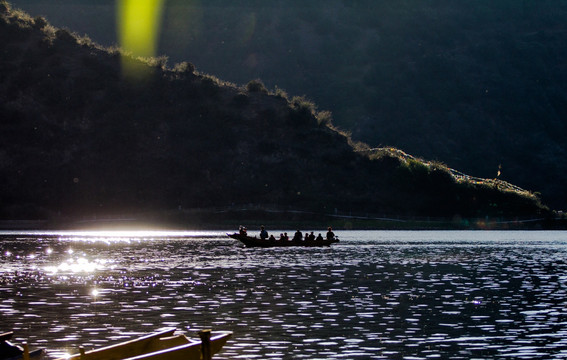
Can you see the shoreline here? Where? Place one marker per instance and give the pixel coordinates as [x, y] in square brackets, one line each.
[214, 219]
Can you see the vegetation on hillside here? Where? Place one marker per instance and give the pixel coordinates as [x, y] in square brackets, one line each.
[479, 85]
[79, 140]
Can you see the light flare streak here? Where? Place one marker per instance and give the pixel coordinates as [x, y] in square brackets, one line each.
[138, 29]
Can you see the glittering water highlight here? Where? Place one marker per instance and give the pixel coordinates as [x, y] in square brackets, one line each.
[374, 295]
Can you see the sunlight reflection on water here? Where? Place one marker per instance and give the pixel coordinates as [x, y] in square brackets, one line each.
[375, 295]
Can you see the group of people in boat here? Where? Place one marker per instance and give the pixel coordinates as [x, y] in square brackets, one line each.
[297, 237]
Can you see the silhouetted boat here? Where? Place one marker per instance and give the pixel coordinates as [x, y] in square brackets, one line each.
[250, 241]
[9, 351]
[162, 345]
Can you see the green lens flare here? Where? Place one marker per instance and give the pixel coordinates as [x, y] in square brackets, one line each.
[138, 26]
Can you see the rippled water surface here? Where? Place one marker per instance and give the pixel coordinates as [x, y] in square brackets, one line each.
[374, 295]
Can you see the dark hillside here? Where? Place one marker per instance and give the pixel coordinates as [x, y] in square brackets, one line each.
[78, 140]
[474, 84]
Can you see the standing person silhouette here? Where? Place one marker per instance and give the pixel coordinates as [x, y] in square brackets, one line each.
[263, 233]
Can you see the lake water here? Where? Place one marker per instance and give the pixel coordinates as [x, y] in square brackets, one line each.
[374, 295]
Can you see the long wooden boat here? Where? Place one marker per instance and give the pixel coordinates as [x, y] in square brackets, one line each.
[9, 351]
[253, 241]
[157, 346]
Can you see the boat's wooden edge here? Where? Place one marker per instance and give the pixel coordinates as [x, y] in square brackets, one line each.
[218, 341]
[6, 336]
[187, 350]
[159, 334]
[37, 354]
[170, 341]
[170, 344]
[193, 348]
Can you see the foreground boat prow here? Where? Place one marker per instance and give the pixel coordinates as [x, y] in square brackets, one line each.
[162, 345]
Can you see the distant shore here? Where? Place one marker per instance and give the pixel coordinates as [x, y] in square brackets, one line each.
[213, 219]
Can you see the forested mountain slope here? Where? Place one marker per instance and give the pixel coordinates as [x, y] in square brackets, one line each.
[78, 139]
[478, 85]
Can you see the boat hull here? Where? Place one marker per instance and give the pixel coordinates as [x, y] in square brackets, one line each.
[250, 241]
[157, 346]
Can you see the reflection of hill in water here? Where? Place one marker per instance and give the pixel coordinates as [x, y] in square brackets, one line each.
[80, 141]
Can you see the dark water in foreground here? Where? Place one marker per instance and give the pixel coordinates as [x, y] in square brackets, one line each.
[375, 295]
